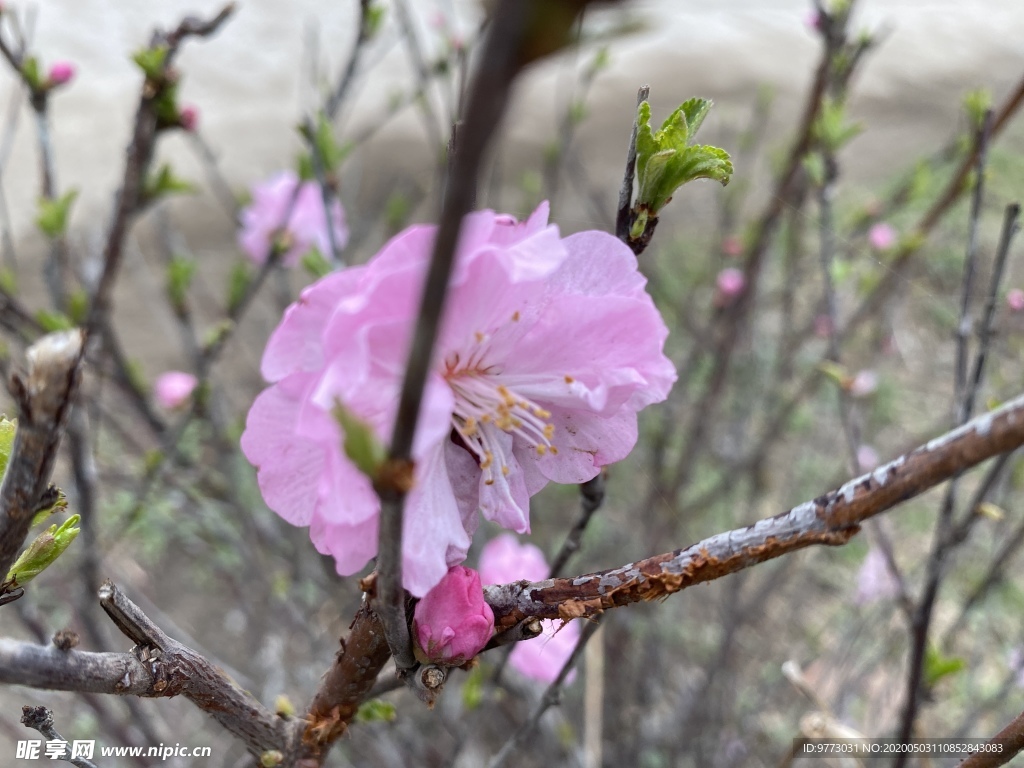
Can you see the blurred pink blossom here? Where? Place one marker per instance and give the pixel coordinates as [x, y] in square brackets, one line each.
[305, 228]
[867, 458]
[174, 388]
[189, 117]
[864, 383]
[822, 326]
[1015, 300]
[728, 286]
[874, 579]
[504, 560]
[812, 20]
[1015, 660]
[550, 347]
[543, 657]
[60, 72]
[452, 623]
[881, 236]
[732, 246]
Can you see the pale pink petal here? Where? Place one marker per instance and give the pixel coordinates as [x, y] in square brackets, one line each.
[504, 560]
[296, 344]
[505, 499]
[288, 467]
[433, 533]
[543, 657]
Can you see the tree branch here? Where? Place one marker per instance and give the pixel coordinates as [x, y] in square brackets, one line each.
[831, 519]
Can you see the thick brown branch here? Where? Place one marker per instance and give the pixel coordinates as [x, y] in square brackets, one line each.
[347, 683]
[830, 519]
[44, 398]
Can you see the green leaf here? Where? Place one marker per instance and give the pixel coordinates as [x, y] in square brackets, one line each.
[667, 159]
[30, 71]
[396, 211]
[164, 182]
[78, 306]
[473, 689]
[374, 19]
[41, 553]
[52, 320]
[151, 61]
[52, 218]
[831, 128]
[937, 666]
[315, 263]
[375, 711]
[360, 443]
[8, 429]
[976, 104]
[8, 281]
[238, 285]
[180, 272]
[321, 140]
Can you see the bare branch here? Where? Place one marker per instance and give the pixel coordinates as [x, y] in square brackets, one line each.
[831, 519]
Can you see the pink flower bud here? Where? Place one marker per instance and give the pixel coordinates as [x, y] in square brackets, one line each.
[730, 284]
[812, 20]
[189, 117]
[882, 236]
[867, 458]
[60, 72]
[864, 383]
[1015, 300]
[452, 622]
[732, 246]
[174, 388]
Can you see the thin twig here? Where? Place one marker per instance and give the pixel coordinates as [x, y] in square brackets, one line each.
[505, 56]
[41, 719]
[943, 544]
[551, 697]
[626, 190]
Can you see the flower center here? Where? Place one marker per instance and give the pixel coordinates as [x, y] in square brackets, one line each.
[483, 405]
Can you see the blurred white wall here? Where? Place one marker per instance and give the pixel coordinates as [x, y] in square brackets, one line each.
[250, 88]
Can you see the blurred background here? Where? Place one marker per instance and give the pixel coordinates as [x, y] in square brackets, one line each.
[697, 680]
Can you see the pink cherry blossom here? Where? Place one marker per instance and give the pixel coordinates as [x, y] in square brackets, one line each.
[543, 657]
[189, 117]
[863, 384]
[882, 236]
[875, 581]
[867, 458]
[732, 246]
[174, 388]
[452, 623]
[812, 20]
[549, 348]
[504, 560]
[306, 227]
[60, 72]
[1015, 300]
[728, 286]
